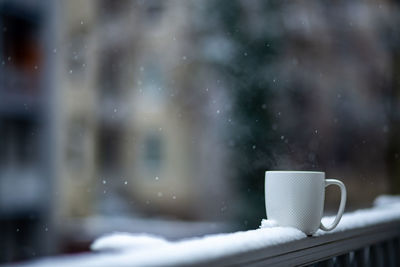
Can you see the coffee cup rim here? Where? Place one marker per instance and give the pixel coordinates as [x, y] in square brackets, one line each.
[282, 171]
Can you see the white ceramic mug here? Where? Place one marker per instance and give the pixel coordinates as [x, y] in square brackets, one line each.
[296, 199]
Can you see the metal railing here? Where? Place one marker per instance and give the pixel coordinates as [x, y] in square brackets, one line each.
[377, 245]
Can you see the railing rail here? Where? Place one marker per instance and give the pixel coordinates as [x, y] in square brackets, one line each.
[377, 245]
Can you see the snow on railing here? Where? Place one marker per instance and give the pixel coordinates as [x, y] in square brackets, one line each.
[370, 235]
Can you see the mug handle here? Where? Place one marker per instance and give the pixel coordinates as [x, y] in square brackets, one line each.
[343, 196]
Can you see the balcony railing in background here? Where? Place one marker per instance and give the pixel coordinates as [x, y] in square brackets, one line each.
[368, 237]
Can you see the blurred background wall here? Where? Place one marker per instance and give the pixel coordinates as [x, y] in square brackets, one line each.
[162, 116]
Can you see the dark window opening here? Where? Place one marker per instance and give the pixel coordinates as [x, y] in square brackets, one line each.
[20, 51]
[153, 152]
[17, 141]
[109, 149]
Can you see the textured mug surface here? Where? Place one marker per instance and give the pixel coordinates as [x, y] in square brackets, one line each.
[296, 199]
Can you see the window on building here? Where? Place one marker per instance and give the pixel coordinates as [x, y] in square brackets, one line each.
[111, 71]
[154, 10]
[20, 50]
[18, 142]
[153, 152]
[109, 146]
[111, 9]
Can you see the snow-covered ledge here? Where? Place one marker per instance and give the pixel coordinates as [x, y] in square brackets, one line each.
[377, 228]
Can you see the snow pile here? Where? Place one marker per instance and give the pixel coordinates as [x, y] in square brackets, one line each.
[182, 252]
[385, 200]
[124, 249]
[386, 208]
[119, 241]
[268, 223]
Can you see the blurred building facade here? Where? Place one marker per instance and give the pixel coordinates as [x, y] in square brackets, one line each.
[95, 119]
